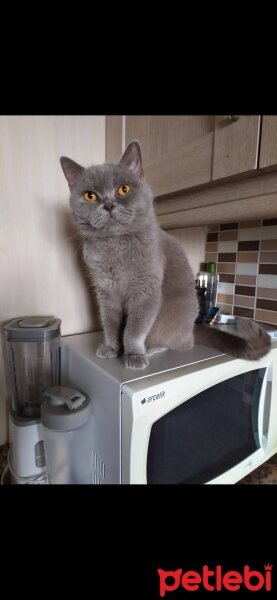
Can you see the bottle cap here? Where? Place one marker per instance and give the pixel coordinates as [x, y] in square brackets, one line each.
[211, 267]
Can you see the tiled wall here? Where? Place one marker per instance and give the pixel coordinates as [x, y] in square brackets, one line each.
[246, 257]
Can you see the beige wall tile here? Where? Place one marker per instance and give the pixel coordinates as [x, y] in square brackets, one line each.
[268, 257]
[247, 257]
[266, 316]
[211, 257]
[249, 234]
[269, 245]
[226, 267]
[246, 279]
[227, 246]
[228, 235]
[226, 298]
[211, 246]
[247, 224]
[244, 301]
[269, 233]
[227, 308]
[263, 292]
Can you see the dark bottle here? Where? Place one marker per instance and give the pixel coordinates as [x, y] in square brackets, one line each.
[206, 287]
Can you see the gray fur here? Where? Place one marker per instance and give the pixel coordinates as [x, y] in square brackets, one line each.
[144, 284]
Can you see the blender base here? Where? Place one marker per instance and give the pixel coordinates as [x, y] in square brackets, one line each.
[26, 460]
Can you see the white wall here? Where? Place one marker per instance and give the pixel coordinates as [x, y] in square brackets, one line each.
[41, 271]
[193, 239]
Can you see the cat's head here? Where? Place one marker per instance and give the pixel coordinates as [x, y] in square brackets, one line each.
[110, 199]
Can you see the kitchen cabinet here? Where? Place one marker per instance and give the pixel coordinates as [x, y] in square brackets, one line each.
[182, 151]
[203, 169]
[176, 150]
[268, 152]
[236, 143]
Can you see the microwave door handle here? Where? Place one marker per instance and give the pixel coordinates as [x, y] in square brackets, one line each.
[264, 407]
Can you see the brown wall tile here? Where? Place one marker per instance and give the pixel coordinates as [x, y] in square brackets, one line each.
[268, 257]
[268, 269]
[266, 316]
[247, 224]
[212, 237]
[227, 308]
[266, 304]
[211, 246]
[269, 245]
[247, 295]
[225, 236]
[226, 226]
[226, 267]
[226, 298]
[250, 257]
[266, 293]
[245, 290]
[250, 245]
[244, 301]
[267, 222]
[210, 256]
[246, 279]
[243, 312]
[227, 257]
[227, 278]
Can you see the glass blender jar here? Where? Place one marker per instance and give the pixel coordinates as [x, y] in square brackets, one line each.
[33, 357]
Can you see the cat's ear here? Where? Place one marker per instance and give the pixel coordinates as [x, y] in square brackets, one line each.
[132, 158]
[71, 170]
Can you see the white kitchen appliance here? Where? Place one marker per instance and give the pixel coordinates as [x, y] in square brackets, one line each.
[33, 360]
[195, 417]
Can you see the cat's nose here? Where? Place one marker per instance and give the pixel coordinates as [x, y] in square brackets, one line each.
[109, 206]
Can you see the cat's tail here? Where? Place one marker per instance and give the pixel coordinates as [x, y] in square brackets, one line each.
[252, 342]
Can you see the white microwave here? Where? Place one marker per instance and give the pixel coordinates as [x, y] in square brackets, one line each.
[196, 417]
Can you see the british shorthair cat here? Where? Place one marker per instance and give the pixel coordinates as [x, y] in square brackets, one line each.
[144, 284]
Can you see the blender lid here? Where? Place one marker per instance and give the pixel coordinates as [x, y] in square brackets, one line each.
[64, 409]
[34, 322]
[32, 329]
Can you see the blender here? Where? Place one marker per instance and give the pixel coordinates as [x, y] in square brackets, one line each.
[33, 357]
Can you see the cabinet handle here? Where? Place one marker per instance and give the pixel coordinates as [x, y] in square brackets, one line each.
[233, 117]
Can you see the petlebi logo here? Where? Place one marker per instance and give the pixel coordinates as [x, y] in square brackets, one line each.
[216, 579]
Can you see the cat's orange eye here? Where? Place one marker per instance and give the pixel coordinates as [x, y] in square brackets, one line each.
[90, 196]
[123, 189]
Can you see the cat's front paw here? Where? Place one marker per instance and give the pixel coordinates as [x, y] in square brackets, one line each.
[104, 351]
[135, 361]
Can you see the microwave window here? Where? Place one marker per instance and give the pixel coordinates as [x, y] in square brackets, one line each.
[208, 434]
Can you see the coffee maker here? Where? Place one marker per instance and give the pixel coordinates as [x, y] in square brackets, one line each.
[33, 358]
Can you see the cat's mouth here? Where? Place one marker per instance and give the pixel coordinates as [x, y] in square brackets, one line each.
[113, 221]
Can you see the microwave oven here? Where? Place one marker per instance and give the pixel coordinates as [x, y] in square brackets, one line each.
[196, 417]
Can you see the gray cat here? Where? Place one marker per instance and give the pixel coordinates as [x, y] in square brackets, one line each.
[144, 285]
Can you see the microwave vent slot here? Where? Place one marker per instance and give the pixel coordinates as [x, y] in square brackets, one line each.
[98, 469]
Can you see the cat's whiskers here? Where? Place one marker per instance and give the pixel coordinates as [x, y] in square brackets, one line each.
[75, 235]
[75, 253]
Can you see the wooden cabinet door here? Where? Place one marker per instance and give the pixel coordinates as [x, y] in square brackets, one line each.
[268, 153]
[176, 150]
[236, 145]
